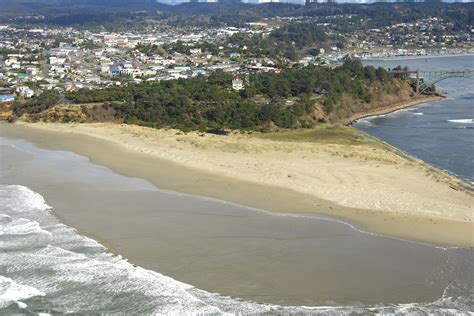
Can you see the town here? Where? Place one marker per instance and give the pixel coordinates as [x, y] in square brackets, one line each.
[66, 59]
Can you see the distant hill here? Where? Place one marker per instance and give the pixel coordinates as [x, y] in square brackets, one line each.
[225, 12]
[47, 5]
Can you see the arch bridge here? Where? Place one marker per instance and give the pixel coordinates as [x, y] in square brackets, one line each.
[427, 78]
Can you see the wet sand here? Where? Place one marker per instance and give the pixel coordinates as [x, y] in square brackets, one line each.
[418, 224]
[230, 249]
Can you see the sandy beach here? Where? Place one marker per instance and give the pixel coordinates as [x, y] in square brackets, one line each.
[328, 171]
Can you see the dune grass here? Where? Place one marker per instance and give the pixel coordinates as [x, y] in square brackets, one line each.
[323, 133]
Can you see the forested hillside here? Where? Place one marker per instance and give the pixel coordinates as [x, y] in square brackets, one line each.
[298, 97]
[117, 13]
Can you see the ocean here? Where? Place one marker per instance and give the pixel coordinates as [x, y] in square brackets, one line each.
[440, 133]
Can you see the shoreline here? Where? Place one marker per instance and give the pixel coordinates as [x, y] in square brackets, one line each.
[224, 248]
[390, 109]
[417, 57]
[443, 217]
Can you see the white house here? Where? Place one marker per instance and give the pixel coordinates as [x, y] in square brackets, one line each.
[237, 84]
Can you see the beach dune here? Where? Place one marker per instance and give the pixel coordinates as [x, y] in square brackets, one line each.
[331, 170]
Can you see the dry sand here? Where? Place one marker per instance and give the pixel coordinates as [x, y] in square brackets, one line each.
[365, 181]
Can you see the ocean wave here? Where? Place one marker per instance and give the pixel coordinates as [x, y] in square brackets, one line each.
[21, 227]
[366, 121]
[462, 121]
[5, 219]
[12, 292]
[68, 272]
[25, 199]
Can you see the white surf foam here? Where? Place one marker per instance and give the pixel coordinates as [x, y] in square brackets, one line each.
[24, 201]
[22, 226]
[12, 292]
[462, 121]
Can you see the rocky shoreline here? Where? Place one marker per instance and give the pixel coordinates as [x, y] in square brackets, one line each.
[392, 108]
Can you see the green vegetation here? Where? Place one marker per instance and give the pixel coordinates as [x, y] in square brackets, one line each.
[323, 133]
[285, 100]
[288, 41]
[150, 50]
[301, 34]
[120, 14]
[182, 48]
[5, 51]
[37, 105]
[197, 103]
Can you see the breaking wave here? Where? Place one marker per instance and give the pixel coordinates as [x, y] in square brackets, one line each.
[11, 292]
[462, 121]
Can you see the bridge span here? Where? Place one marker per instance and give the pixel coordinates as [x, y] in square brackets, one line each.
[427, 78]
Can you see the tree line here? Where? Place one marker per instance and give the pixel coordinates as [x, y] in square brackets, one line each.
[202, 103]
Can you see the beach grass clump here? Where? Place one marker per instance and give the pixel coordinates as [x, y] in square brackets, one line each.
[322, 133]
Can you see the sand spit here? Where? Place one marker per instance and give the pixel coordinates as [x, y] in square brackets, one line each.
[331, 170]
